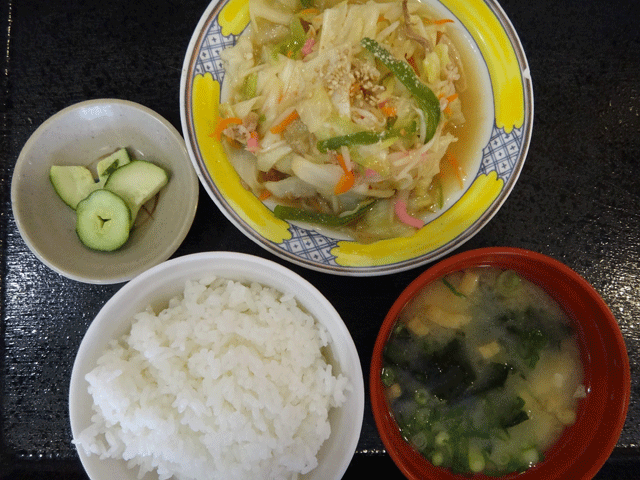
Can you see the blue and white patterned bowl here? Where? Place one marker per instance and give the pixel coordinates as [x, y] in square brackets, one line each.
[503, 143]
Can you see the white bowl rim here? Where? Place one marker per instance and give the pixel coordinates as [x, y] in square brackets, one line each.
[142, 286]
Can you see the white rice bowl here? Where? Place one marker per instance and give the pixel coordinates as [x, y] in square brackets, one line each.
[217, 366]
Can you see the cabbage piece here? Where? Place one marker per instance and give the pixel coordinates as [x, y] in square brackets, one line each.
[336, 126]
[374, 156]
[454, 54]
[456, 116]
[431, 67]
[316, 110]
[244, 163]
[269, 33]
[242, 109]
[365, 189]
[292, 79]
[333, 26]
[291, 188]
[267, 158]
[271, 87]
[284, 165]
[237, 60]
[347, 24]
[271, 10]
[380, 222]
[435, 63]
[323, 177]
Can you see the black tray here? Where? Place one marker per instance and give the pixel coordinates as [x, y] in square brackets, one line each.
[577, 199]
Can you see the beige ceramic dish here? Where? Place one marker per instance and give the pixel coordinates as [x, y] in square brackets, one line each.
[78, 135]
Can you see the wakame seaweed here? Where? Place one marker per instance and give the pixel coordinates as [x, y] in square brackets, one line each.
[456, 385]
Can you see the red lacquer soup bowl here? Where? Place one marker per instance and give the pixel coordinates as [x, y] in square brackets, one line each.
[584, 446]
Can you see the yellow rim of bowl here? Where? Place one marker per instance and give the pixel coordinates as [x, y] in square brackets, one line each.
[481, 198]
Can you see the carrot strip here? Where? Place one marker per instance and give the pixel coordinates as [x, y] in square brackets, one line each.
[308, 11]
[389, 110]
[449, 99]
[442, 21]
[345, 183]
[342, 163]
[223, 124]
[264, 194]
[456, 168]
[348, 178]
[285, 123]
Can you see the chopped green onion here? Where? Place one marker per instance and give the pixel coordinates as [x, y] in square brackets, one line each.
[421, 396]
[420, 440]
[388, 376]
[508, 283]
[476, 459]
[452, 288]
[437, 458]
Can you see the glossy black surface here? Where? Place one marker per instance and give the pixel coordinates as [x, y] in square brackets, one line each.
[577, 199]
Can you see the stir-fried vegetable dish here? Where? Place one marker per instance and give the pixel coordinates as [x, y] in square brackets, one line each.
[343, 113]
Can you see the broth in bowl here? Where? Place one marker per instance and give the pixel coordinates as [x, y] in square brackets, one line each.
[482, 372]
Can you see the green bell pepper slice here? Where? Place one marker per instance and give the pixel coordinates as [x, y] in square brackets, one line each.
[293, 213]
[363, 138]
[426, 99]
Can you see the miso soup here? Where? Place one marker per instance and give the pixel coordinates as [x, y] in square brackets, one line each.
[482, 372]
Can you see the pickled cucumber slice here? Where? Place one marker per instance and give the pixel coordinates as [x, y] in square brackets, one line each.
[103, 221]
[72, 183]
[109, 164]
[136, 183]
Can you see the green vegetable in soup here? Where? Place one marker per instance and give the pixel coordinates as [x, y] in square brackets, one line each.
[452, 288]
[466, 395]
[508, 283]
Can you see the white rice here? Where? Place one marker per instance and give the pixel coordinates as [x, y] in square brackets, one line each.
[228, 382]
